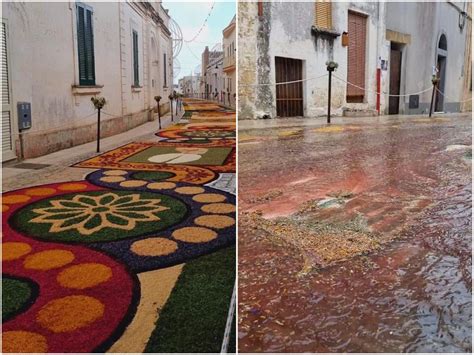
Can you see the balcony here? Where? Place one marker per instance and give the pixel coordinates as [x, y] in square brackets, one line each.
[229, 63]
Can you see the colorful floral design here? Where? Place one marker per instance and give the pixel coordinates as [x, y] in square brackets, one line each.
[90, 214]
[99, 216]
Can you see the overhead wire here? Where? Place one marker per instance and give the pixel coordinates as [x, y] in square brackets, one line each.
[203, 24]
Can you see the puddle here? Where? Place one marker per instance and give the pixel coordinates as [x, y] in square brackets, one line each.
[411, 295]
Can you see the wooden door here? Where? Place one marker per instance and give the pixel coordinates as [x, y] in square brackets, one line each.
[357, 27]
[395, 70]
[439, 105]
[289, 97]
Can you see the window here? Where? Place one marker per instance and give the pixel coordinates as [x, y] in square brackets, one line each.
[85, 45]
[136, 78]
[165, 84]
[323, 14]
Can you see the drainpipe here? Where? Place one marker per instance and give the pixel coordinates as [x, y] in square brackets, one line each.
[380, 38]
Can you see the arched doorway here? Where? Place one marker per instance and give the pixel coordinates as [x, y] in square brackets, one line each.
[441, 56]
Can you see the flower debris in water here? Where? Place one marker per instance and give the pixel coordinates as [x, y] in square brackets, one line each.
[321, 244]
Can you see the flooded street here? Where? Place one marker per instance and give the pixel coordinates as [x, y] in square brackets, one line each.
[409, 180]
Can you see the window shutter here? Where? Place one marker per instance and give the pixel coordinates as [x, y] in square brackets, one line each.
[356, 55]
[323, 14]
[85, 46]
[136, 80]
[89, 39]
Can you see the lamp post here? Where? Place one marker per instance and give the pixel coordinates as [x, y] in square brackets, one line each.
[157, 99]
[330, 67]
[99, 103]
[435, 81]
[170, 97]
[177, 102]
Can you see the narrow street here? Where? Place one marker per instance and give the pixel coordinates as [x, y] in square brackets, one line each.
[129, 250]
[355, 236]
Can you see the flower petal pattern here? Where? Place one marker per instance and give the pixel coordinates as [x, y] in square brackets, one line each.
[89, 214]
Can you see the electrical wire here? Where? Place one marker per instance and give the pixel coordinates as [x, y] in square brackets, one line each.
[189, 49]
[382, 92]
[285, 82]
[203, 24]
[450, 98]
[60, 127]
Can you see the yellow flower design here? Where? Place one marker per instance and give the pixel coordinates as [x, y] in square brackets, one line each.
[89, 214]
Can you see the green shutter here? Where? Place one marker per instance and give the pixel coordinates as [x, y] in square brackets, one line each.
[136, 80]
[85, 45]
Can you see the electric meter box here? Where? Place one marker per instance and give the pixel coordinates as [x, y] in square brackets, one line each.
[24, 115]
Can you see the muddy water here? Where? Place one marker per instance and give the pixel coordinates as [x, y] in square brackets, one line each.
[415, 294]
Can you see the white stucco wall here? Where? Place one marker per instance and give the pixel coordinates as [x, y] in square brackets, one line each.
[43, 56]
[425, 23]
[291, 37]
[42, 41]
[288, 25]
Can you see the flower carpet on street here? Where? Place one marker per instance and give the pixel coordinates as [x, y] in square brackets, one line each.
[135, 257]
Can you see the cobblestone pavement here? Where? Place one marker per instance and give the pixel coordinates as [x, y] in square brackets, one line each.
[355, 237]
[100, 251]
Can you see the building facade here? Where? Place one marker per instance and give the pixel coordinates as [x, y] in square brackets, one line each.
[213, 82]
[426, 39]
[229, 62]
[374, 49]
[119, 51]
[190, 85]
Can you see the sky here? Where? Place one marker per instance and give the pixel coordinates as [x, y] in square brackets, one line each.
[190, 16]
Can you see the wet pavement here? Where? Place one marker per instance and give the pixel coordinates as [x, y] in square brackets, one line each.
[409, 180]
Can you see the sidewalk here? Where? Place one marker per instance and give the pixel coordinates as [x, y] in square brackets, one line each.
[58, 163]
[339, 120]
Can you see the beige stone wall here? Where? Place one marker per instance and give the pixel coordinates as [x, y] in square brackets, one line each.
[247, 58]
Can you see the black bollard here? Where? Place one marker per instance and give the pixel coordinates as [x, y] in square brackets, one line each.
[157, 99]
[98, 130]
[434, 80]
[99, 103]
[330, 67]
[329, 96]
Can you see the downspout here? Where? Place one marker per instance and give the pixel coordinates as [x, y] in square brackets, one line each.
[121, 63]
[380, 36]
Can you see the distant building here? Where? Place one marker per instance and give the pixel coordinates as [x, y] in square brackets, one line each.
[213, 77]
[230, 53]
[387, 47]
[189, 85]
[56, 56]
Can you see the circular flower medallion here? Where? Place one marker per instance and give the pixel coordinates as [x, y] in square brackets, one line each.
[99, 216]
